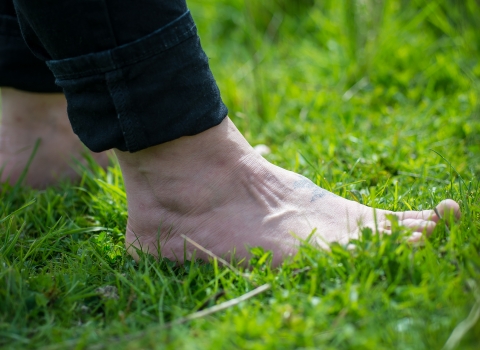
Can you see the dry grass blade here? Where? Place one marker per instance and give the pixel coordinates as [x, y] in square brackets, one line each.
[463, 327]
[220, 307]
[194, 316]
[210, 253]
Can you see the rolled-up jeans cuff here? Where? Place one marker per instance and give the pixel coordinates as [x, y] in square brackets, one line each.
[150, 91]
[19, 68]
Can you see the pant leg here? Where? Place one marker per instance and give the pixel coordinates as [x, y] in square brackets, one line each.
[133, 72]
[19, 68]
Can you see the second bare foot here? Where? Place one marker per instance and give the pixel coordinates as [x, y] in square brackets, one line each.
[28, 118]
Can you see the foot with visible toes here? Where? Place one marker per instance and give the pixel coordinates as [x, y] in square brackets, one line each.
[216, 190]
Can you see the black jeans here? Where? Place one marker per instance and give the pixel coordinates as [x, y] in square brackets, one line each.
[133, 72]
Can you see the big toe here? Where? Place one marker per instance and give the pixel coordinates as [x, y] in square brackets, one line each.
[449, 210]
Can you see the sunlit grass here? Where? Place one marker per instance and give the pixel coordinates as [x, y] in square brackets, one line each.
[377, 101]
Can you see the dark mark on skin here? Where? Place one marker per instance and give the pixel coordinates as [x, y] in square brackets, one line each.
[318, 192]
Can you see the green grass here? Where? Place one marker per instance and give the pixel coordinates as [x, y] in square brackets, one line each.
[375, 100]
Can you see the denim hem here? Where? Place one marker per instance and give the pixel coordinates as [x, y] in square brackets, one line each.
[153, 90]
[153, 44]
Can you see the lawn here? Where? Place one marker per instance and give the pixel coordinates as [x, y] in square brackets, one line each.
[374, 100]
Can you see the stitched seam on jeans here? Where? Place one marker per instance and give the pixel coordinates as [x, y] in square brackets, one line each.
[116, 86]
[172, 37]
[115, 66]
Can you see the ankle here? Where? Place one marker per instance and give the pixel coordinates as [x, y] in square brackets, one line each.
[186, 167]
[220, 145]
[30, 117]
[29, 110]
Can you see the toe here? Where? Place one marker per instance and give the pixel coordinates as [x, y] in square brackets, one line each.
[418, 215]
[415, 237]
[419, 225]
[447, 209]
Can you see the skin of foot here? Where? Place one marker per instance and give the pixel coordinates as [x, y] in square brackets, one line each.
[29, 117]
[216, 190]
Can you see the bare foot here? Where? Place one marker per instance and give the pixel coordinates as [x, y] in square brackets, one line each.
[216, 190]
[28, 117]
